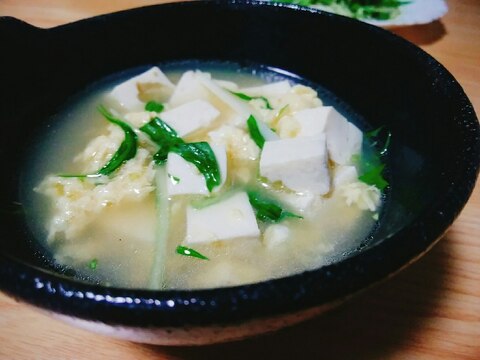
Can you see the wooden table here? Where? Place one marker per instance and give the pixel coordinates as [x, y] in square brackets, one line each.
[429, 311]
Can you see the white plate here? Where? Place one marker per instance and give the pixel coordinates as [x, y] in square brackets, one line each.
[416, 12]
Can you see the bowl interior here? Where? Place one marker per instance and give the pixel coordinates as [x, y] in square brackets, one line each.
[433, 158]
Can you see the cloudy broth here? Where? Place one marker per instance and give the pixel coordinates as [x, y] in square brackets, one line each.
[118, 245]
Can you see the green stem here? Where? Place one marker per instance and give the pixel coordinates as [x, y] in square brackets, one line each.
[158, 273]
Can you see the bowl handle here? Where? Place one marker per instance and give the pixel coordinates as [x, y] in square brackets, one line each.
[9, 23]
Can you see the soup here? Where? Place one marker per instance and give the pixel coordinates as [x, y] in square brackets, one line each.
[197, 177]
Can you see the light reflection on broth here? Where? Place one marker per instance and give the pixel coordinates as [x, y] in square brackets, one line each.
[121, 237]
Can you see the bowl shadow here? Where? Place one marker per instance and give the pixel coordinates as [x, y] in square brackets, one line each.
[374, 324]
[424, 34]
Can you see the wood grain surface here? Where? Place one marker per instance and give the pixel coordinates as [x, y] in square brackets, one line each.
[429, 311]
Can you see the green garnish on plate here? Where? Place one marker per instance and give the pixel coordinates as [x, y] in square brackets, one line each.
[358, 9]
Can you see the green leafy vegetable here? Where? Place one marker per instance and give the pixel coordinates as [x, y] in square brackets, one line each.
[374, 177]
[386, 145]
[126, 151]
[154, 106]
[250, 98]
[374, 133]
[93, 264]
[202, 156]
[267, 209]
[371, 164]
[359, 9]
[255, 133]
[183, 250]
[162, 135]
[199, 153]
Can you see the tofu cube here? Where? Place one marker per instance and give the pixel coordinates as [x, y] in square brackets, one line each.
[126, 93]
[311, 122]
[299, 202]
[190, 117]
[188, 88]
[343, 138]
[184, 177]
[299, 163]
[275, 89]
[231, 101]
[230, 219]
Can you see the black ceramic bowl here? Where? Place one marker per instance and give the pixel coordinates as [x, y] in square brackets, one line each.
[433, 160]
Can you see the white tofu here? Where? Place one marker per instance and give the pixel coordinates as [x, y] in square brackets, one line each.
[344, 175]
[126, 93]
[343, 138]
[140, 118]
[194, 85]
[300, 202]
[229, 85]
[355, 141]
[229, 219]
[299, 163]
[267, 133]
[275, 235]
[188, 88]
[237, 105]
[311, 122]
[184, 177]
[275, 89]
[307, 122]
[188, 118]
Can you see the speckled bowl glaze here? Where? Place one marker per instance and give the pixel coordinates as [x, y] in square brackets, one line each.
[433, 160]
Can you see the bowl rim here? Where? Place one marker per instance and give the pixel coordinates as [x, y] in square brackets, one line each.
[228, 305]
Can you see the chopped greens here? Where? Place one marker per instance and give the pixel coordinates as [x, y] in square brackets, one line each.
[250, 98]
[266, 209]
[199, 153]
[371, 167]
[183, 250]
[162, 135]
[202, 156]
[359, 9]
[374, 177]
[126, 151]
[154, 106]
[254, 131]
[386, 145]
[374, 133]
[92, 265]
